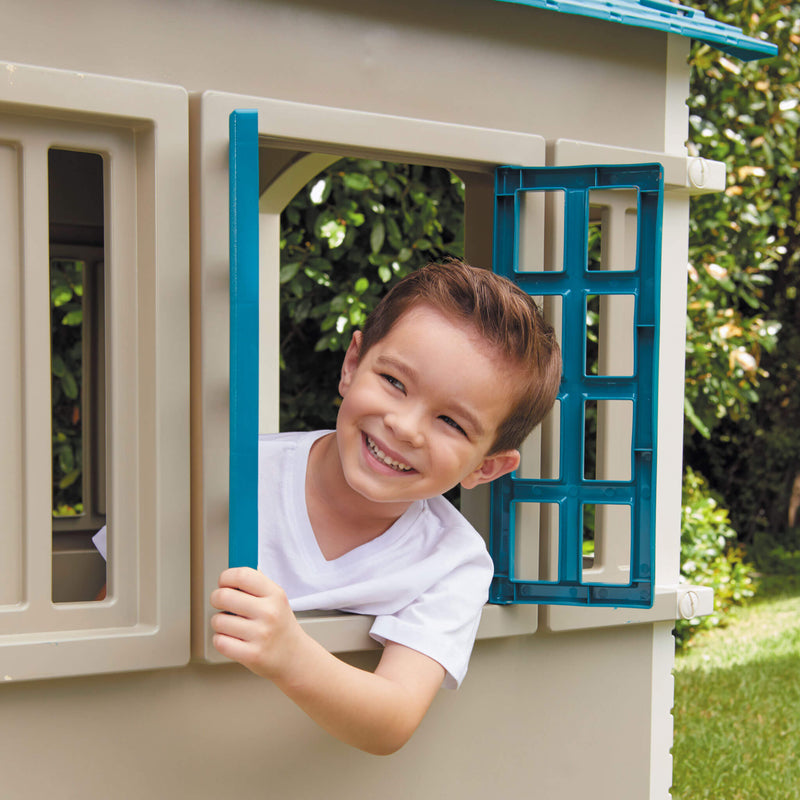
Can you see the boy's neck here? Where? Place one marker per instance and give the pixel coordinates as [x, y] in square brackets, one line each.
[341, 518]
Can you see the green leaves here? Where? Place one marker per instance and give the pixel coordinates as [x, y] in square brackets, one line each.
[356, 181]
[709, 556]
[743, 348]
[66, 345]
[61, 293]
[377, 236]
[743, 114]
[351, 234]
[288, 271]
[73, 318]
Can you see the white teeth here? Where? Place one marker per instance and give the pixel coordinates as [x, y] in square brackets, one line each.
[381, 456]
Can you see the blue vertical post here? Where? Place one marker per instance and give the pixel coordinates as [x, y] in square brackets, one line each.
[243, 472]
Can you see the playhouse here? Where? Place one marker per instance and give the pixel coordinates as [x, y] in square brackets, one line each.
[156, 144]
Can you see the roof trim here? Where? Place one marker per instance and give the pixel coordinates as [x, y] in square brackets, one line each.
[662, 15]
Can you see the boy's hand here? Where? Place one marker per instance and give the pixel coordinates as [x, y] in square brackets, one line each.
[258, 628]
[376, 712]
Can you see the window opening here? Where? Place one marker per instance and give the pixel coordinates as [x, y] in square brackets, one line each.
[77, 354]
[592, 333]
[349, 235]
[292, 152]
[66, 348]
[352, 232]
[588, 536]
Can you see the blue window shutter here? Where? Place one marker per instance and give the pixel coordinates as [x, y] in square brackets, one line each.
[243, 466]
[571, 490]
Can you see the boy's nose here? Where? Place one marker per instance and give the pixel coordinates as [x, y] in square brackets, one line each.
[406, 427]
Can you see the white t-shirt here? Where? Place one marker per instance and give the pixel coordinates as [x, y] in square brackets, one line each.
[425, 579]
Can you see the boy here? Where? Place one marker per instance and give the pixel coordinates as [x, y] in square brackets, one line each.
[452, 370]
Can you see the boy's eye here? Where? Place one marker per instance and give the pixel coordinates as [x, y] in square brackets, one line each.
[394, 382]
[453, 424]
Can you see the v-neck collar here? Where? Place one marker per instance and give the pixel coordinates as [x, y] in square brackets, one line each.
[306, 538]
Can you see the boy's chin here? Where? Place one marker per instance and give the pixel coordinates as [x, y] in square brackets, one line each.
[373, 491]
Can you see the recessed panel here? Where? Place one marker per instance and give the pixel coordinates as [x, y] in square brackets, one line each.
[608, 437]
[540, 232]
[610, 334]
[536, 533]
[612, 234]
[540, 452]
[607, 543]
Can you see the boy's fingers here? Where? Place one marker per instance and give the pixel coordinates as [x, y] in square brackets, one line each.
[232, 648]
[230, 625]
[234, 601]
[236, 577]
[247, 580]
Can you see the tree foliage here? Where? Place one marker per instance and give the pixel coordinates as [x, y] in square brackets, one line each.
[743, 350]
[346, 238]
[66, 340]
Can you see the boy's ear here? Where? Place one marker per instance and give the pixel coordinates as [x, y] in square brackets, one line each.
[492, 467]
[350, 363]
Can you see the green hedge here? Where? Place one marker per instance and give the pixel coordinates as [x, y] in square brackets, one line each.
[710, 555]
[743, 352]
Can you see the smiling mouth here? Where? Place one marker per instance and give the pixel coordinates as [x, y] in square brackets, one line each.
[399, 466]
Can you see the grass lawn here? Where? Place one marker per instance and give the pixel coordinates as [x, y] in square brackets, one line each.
[737, 703]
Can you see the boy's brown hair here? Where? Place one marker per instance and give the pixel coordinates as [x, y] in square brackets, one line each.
[504, 315]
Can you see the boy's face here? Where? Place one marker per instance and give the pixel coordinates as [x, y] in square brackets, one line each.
[421, 409]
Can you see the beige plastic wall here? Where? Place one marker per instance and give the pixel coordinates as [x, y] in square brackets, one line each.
[564, 715]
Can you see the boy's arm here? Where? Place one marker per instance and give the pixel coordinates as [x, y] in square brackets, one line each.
[377, 712]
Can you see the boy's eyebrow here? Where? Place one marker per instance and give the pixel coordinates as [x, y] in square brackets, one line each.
[460, 410]
[469, 418]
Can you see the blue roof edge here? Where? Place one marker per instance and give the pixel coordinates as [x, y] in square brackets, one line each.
[665, 16]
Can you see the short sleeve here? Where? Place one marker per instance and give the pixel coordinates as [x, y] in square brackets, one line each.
[443, 620]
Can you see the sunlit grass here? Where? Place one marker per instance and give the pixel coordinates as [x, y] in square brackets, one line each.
[737, 705]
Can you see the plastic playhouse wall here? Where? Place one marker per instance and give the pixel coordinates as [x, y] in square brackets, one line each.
[557, 703]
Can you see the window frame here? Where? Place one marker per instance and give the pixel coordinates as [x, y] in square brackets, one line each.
[318, 136]
[140, 129]
[321, 135]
